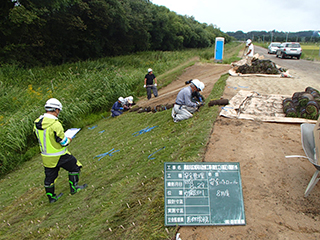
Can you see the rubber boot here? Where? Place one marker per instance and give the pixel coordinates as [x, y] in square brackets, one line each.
[73, 182]
[51, 195]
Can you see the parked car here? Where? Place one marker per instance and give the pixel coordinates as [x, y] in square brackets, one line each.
[273, 47]
[289, 49]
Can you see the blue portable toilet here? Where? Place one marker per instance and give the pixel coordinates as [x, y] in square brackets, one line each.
[219, 47]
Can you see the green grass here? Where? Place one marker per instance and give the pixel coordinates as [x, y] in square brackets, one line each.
[310, 52]
[230, 53]
[86, 89]
[124, 199]
[261, 44]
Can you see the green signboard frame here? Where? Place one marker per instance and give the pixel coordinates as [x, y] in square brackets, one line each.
[203, 194]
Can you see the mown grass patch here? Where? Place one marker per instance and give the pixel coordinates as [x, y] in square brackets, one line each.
[125, 196]
[310, 52]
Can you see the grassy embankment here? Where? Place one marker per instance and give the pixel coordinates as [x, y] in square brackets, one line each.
[309, 51]
[125, 198]
[86, 89]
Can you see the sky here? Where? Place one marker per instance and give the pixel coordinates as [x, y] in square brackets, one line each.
[250, 15]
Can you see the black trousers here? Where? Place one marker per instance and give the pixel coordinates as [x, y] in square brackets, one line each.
[154, 90]
[67, 162]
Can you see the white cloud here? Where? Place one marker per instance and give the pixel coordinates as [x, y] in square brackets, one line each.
[250, 15]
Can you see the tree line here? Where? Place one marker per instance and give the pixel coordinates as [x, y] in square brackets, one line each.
[275, 36]
[42, 32]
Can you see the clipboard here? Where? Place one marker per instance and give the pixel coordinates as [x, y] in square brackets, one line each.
[71, 133]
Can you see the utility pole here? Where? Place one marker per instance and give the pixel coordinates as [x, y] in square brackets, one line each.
[287, 37]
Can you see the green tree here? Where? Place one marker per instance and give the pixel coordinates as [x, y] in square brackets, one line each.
[35, 32]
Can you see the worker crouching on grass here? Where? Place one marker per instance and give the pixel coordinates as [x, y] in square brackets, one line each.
[196, 96]
[117, 108]
[55, 155]
[127, 103]
[184, 106]
[149, 85]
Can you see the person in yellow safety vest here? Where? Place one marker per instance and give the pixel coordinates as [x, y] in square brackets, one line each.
[55, 155]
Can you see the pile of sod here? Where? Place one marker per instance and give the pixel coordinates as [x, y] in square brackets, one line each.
[303, 104]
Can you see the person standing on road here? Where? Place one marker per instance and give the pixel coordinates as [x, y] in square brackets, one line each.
[55, 155]
[184, 107]
[148, 84]
[250, 50]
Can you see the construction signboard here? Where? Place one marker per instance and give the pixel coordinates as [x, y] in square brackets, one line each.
[203, 194]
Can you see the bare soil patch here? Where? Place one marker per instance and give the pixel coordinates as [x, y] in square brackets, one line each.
[205, 72]
[273, 186]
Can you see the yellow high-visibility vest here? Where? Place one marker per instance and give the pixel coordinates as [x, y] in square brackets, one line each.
[50, 149]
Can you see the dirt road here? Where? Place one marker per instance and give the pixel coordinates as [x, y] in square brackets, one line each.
[273, 186]
[304, 67]
[207, 73]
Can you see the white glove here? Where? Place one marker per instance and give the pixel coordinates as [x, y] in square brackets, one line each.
[178, 236]
[155, 84]
[144, 86]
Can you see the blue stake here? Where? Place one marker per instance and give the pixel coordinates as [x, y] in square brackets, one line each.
[105, 154]
[143, 131]
[154, 153]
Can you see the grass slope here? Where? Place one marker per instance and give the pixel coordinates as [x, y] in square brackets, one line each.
[125, 196]
[86, 90]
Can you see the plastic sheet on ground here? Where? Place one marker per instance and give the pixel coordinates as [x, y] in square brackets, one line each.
[254, 106]
[233, 73]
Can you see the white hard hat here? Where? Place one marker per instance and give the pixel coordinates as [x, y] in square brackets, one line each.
[248, 42]
[149, 69]
[53, 104]
[121, 99]
[201, 86]
[197, 84]
[130, 99]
